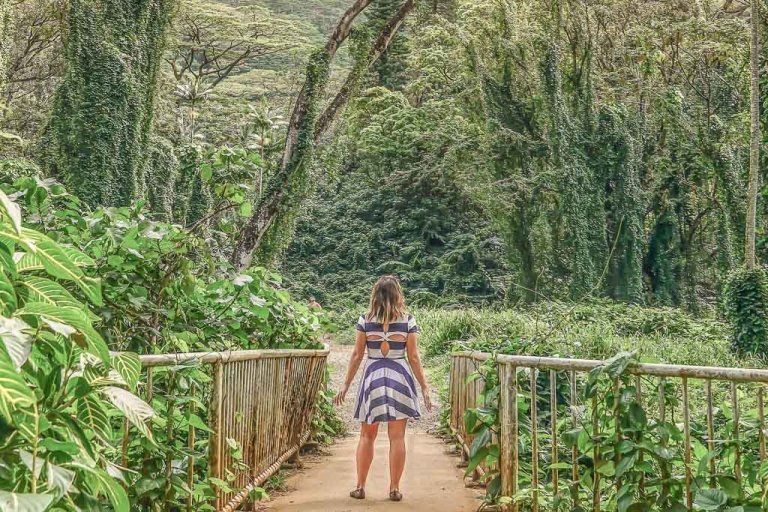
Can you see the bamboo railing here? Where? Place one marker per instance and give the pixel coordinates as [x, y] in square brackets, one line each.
[261, 401]
[706, 385]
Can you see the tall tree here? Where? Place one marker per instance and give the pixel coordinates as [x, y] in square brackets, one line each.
[5, 14]
[754, 138]
[287, 187]
[99, 130]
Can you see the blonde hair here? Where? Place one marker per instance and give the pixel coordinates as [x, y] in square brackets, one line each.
[387, 301]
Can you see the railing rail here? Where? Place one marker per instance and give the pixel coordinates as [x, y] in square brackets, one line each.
[261, 401]
[701, 386]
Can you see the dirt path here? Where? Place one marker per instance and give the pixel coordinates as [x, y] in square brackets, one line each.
[431, 481]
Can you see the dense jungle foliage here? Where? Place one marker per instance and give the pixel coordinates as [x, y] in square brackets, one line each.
[570, 177]
[498, 150]
[643, 461]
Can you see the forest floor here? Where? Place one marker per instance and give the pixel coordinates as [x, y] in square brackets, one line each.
[432, 479]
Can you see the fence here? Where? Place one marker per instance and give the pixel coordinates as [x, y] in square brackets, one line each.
[683, 390]
[261, 401]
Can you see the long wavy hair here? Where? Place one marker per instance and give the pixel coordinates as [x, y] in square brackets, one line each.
[387, 301]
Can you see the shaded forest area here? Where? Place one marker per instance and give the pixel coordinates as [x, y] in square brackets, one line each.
[498, 150]
[171, 169]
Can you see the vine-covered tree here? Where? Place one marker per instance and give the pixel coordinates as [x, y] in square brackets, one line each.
[99, 130]
[287, 188]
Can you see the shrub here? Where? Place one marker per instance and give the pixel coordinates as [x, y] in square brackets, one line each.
[746, 306]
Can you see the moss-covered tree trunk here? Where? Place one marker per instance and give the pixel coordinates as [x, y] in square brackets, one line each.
[287, 188]
[746, 295]
[98, 136]
[5, 15]
[754, 143]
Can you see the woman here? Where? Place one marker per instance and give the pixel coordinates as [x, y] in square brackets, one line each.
[387, 389]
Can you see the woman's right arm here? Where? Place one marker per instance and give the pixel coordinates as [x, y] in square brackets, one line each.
[354, 363]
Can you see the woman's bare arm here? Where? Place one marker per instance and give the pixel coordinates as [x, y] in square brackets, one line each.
[354, 363]
[414, 359]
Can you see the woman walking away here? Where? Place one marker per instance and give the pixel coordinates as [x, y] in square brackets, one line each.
[387, 387]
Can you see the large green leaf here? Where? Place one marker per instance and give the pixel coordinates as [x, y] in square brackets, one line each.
[59, 479]
[134, 408]
[56, 261]
[14, 392]
[6, 260]
[108, 486]
[16, 502]
[17, 342]
[73, 317]
[128, 366]
[92, 413]
[12, 211]
[30, 261]
[710, 499]
[42, 289]
[8, 301]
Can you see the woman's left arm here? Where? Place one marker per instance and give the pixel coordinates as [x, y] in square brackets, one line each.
[414, 359]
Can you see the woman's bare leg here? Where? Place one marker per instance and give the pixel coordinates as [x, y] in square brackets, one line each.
[365, 452]
[396, 431]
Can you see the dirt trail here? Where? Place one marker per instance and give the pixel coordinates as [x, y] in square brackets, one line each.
[431, 480]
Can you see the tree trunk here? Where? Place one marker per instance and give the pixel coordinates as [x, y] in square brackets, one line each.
[98, 134]
[754, 143]
[5, 14]
[306, 128]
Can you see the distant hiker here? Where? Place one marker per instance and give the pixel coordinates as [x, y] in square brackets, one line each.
[387, 387]
[313, 303]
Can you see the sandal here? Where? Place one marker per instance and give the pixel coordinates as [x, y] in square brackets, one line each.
[395, 495]
[358, 494]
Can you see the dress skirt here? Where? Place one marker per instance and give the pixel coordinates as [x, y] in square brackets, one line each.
[387, 391]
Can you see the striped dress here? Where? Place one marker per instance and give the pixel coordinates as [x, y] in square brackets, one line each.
[387, 386]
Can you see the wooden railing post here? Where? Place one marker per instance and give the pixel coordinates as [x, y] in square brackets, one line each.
[215, 439]
[509, 425]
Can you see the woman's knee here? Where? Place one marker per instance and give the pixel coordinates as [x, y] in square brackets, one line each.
[396, 430]
[369, 432]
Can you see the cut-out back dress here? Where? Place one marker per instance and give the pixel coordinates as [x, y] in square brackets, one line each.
[387, 386]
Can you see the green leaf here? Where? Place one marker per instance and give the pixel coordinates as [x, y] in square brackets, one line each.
[607, 468]
[710, 499]
[730, 486]
[57, 261]
[91, 413]
[221, 484]
[206, 172]
[12, 211]
[197, 422]
[73, 317]
[128, 366]
[626, 463]
[8, 301]
[15, 394]
[15, 502]
[59, 479]
[108, 486]
[134, 408]
[17, 342]
[42, 289]
[245, 209]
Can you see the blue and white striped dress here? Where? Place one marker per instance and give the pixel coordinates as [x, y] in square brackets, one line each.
[387, 386]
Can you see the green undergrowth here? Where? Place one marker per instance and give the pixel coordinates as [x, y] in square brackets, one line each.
[606, 330]
[83, 293]
[591, 330]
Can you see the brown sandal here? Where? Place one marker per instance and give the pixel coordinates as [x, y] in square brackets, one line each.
[358, 494]
[395, 495]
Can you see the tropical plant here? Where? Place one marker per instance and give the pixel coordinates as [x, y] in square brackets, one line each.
[61, 387]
